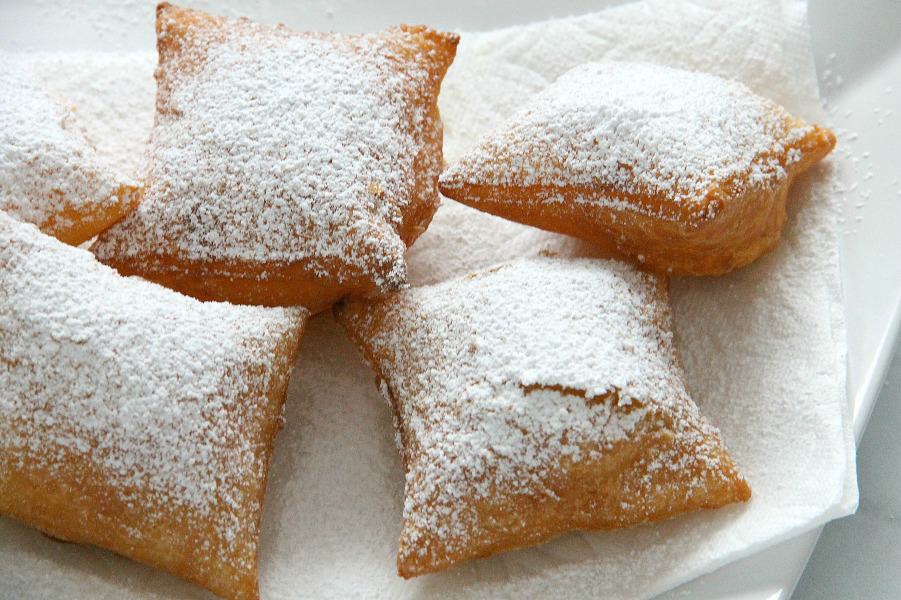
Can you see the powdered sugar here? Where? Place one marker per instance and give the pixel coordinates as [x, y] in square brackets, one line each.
[637, 128]
[112, 100]
[46, 165]
[498, 377]
[277, 147]
[149, 385]
[756, 346]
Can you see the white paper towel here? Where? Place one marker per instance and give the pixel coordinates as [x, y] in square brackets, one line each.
[763, 348]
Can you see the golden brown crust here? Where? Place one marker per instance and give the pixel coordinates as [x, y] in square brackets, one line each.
[613, 486]
[136, 419]
[594, 495]
[264, 285]
[424, 54]
[73, 502]
[588, 496]
[76, 226]
[442, 47]
[51, 176]
[728, 225]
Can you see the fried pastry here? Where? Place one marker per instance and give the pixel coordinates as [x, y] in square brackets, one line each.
[49, 174]
[285, 167]
[134, 418]
[684, 172]
[535, 398]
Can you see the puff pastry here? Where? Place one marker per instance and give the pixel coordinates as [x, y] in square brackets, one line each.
[134, 418]
[49, 174]
[285, 167]
[535, 398]
[685, 172]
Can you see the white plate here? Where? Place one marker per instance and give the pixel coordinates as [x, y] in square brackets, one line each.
[858, 54]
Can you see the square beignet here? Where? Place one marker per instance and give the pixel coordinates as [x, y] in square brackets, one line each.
[285, 167]
[134, 418]
[535, 398]
[685, 172]
[49, 174]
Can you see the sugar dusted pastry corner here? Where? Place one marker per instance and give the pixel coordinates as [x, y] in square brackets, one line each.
[134, 418]
[49, 174]
[684, 172]
[535, 398]
[285, 167]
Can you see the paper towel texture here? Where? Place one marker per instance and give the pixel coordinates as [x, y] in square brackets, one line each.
[763, 348]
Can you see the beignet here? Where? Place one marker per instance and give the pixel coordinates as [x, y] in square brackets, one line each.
[535, 398]
[684, 172]
[134, 418]
[49, 174]
[285, 167]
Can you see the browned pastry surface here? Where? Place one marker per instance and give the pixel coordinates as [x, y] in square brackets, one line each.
[49, 174]
[684, 172]
[285, 167]
[536, 398]
[134, 418]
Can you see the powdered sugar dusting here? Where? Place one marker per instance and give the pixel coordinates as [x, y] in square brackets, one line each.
[275, 147]
[499, 376]
[46, 165]
[638, 128]
[756, 347]
[158, 390]
[112, 100]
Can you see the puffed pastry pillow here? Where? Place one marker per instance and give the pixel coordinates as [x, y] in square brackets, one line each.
[49, 174]
[685, 172]
[134, 418]
[285, 167]
[535, 398]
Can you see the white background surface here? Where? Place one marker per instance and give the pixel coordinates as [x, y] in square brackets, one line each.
[859, 556]
[857, 47]
[858, 51]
